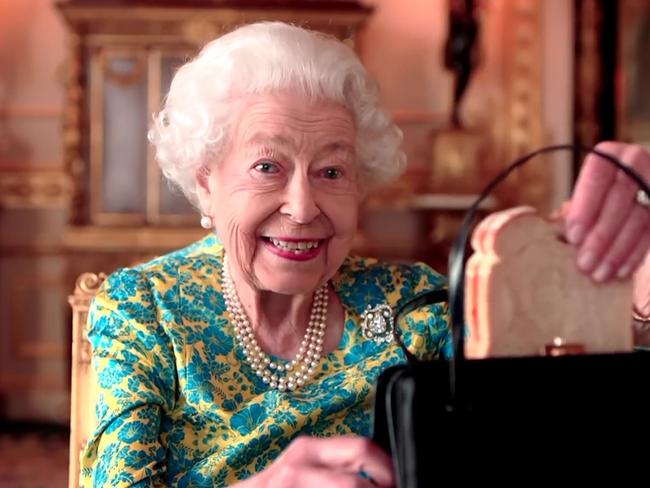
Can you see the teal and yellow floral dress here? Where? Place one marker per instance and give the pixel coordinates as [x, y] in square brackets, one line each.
[179, 406]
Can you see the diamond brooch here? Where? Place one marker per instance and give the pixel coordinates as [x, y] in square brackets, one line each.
[377, 323]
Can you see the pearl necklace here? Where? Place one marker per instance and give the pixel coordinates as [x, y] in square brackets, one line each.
[291, 374]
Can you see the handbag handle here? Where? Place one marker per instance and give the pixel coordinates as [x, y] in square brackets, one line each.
[456, 268]
[427, 298]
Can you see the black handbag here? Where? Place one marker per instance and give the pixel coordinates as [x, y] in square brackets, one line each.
[511, 419]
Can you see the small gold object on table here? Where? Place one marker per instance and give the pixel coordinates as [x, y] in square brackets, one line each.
[461, 160]
[560, 347]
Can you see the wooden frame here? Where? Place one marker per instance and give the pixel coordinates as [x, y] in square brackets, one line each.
[633, 72]
[82, 404]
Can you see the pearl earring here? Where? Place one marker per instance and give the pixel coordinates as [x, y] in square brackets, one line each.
[206, 222]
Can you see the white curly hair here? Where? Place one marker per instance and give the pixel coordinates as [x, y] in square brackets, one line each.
[192, 129]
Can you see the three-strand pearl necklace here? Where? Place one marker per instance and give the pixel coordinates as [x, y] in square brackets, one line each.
[290, 374]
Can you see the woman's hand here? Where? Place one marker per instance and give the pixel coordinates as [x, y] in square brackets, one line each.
[610, 228]
[335, 462]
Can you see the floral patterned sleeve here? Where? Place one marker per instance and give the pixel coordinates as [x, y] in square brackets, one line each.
[135, 383]
[426, 331]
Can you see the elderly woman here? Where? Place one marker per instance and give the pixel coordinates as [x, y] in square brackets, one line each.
[247, 358]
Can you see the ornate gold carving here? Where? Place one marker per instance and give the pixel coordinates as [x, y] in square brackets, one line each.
[35, 188]
[96, 61]
[72, 125]
[588, 72]
[161, 22]
[87, 285]
[461, 158]
[521, 129]
[633, 121]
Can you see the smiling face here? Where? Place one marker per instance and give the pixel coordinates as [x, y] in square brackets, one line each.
[285, 197]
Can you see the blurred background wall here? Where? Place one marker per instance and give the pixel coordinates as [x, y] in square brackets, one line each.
[34, 196]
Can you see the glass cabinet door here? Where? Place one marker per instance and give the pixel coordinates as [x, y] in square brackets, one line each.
[126, 187]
